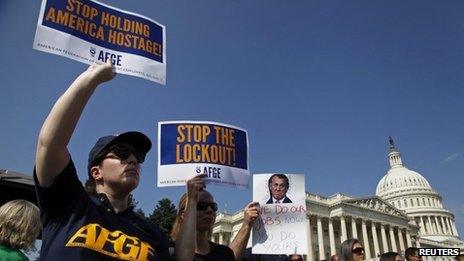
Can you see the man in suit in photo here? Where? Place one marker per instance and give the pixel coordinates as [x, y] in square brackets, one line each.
[278, 187]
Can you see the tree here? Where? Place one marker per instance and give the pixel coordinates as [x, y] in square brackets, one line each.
[132, 202]
[164, 214]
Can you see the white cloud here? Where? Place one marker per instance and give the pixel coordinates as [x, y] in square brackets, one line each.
[452, 157]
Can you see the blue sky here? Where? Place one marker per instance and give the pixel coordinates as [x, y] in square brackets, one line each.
[319, 85]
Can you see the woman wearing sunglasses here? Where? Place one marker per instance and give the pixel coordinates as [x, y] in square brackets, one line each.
[193, 226]
[351, 250]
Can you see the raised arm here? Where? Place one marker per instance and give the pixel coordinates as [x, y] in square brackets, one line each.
[187, 237]
[238, 245]
[52, 154]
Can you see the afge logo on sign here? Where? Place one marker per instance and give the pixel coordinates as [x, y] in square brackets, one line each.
[438, 251]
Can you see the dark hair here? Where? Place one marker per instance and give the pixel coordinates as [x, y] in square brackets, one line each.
[346, 249]
[280, 176]
[410, 251]
[91, 187]
[389, 256]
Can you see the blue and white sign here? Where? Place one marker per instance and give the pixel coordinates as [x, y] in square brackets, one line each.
[189, 148]
[91, 32]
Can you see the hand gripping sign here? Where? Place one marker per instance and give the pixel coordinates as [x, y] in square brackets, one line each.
[282, 227]
[189, 148]
[91, 32]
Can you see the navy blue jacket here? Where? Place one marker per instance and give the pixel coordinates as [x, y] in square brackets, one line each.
[79, 227]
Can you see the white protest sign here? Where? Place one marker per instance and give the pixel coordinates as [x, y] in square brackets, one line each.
[189, 148]
[282, 226]
[92, 32]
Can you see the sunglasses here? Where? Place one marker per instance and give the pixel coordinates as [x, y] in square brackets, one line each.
[202, 206]
[358, 251]
[122, 153]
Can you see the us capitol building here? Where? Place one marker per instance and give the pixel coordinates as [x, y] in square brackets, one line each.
[405, 211]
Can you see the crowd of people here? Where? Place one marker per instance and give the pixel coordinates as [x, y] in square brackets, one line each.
[353, 250]
[96, 222]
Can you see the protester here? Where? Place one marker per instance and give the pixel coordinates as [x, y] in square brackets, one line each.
[19, 228]
[296, 257]
[334, 257]
[250, 215]
[193, 226]
[459, 257]
[351, 250]
[77, 226]
[391, 256]
[411, 254]
[278, 186]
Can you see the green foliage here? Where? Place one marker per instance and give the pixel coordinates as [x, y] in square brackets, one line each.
[164, 215]
[132, 202]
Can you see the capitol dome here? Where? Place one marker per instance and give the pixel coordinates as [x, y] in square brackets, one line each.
[400, 178]
[411, 193]
[405, 188]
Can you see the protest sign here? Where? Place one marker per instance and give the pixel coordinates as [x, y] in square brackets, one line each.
[91, 32]
[282, 226]
[189, 148]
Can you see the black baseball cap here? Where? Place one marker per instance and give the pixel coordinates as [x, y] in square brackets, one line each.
[138, 140]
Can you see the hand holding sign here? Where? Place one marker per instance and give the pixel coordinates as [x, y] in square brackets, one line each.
[100, 73]
[195, 185]
[251, 213]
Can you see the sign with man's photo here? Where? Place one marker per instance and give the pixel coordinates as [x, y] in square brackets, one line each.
[282, 226]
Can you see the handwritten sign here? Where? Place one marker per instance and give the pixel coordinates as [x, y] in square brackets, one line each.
[91, 32]
[282, 226]
[188, 148]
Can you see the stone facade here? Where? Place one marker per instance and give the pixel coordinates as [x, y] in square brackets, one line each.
[405, 212]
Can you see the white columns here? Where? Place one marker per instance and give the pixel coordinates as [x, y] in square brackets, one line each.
[451, 227]
[440, 224]
[454, 227]
[343, 236]
[320, 239]
[384, 238]
[422, 228]
[333, 250]
[309, 233]
[400, 238]
[221, 238]
[448, 226]
[439, 230]
[434, 228]
[417, 242]
[431, 230]
[408, 238]
[445, 228]
[435, 224]
[353, 228]
[365, 239]
[376, 240]
[392, 239]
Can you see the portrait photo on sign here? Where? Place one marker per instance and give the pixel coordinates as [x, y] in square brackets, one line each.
[278, 188]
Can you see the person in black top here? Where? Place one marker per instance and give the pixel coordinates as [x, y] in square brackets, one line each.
[77, 226]
[193, 226]
[410, 254]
